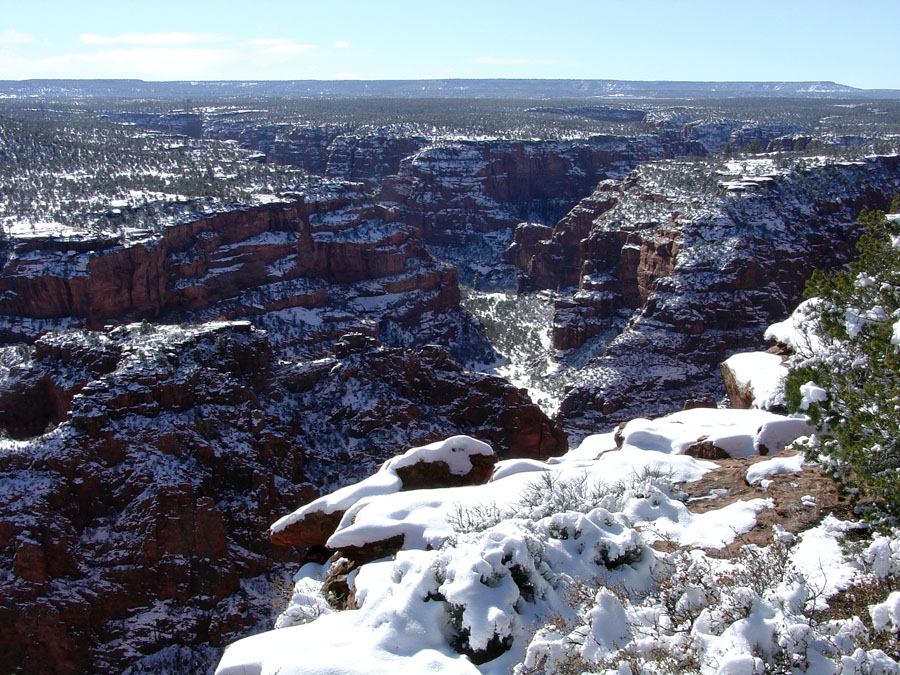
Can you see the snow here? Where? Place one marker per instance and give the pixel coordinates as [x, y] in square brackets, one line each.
[48, 229]
[382, 482]
[363, 649]
[488, 563]
[820, 559]
[740, 433]
[774, 467]
[811, 393]
[886, 615]
[378, 302]
[854, 321]
[509, 467]
[797, 331]
[421, 516]
[671, 519]
[375, 510]
[777, 434]
[310, 317]
[895, 333]
[883, 556]
[763, 374]
[454, 451]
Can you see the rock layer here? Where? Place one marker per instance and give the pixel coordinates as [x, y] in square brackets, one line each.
[699, 263]
[309, 270]
[132, 526]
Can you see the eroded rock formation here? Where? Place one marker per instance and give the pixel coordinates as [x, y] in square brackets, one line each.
[698, 263]
[135, 505]
[309, 269]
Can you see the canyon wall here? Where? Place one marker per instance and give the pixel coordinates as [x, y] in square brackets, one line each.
[688, 262]
[466, 195]
[316, 267]
[151, 461]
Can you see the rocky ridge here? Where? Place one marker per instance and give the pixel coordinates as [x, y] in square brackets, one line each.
[152, 459]
[309, 268]
[698, 262]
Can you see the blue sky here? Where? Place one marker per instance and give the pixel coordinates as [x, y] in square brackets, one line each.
[853, 43]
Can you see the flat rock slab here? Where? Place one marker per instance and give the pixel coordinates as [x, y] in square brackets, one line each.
[727, 484]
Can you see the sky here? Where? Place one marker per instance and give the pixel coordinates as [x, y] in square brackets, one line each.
[850, 42]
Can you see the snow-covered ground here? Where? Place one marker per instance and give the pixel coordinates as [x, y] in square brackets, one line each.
[584, 563]
[519, 327]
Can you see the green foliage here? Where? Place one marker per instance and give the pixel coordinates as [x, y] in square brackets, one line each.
[859, 366]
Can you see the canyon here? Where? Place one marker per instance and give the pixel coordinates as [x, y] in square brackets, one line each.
[170, 390]
[134, 508]
[685, 281]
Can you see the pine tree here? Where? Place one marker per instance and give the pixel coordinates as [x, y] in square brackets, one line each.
[857, 320]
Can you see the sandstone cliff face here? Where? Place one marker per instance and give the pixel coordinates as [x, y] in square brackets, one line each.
[555, 261]
[193, 263]
[698, 263]
[310, 268]
[716, 136]
[467, 196]
[305, 146]
[135, 504]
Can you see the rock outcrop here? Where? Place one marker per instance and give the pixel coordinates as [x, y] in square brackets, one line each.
[468, 195]
[455, 462]
[555, 261]
[131, 527]
[377, 397]
[151, 459]
[698, 263]
[308, 269]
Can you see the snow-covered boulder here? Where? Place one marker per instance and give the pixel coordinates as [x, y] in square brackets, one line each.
[754, 380]
[456, 461]
[798, 332]
[730, 433]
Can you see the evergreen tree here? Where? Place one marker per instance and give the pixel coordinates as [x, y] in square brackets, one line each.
[856, 321]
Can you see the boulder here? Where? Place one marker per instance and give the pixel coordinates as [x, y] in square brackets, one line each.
[311, 529]
[454, 462]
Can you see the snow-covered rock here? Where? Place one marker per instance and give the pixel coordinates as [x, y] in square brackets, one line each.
[754, 379]
[479, 565]
[737, 433]
[674, 271]
[459, 460]
[308, 269]
[139, 463]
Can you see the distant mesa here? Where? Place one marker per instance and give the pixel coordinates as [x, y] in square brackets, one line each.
[451, 88]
